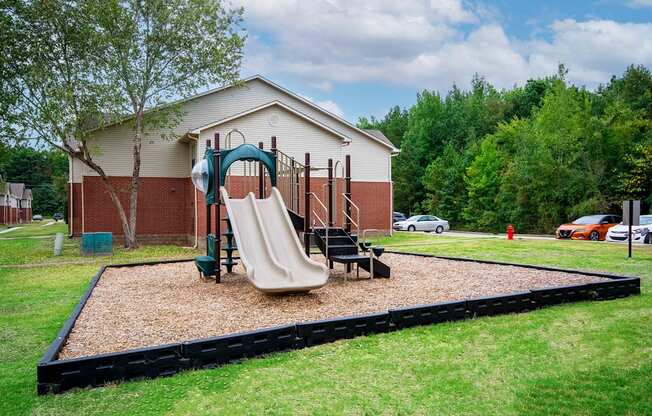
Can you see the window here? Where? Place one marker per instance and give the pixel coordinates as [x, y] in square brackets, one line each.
[588, 220]
[646, 219]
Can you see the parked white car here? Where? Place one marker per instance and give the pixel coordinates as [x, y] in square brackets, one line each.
[422, 223]
[641, 233]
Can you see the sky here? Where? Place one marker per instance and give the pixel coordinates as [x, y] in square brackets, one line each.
[359, 58]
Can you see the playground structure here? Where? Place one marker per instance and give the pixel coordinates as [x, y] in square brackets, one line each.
[265, 230]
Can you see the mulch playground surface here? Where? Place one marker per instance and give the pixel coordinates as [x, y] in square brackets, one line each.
[144, 306]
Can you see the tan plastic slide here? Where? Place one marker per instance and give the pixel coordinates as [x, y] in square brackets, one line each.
[269, 247]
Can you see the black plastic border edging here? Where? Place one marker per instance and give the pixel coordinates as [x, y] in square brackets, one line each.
[525, 266]
[55, 376]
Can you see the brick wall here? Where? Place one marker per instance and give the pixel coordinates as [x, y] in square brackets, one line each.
[167, 214]
[25, 215]
[165, 206]
[74, 201]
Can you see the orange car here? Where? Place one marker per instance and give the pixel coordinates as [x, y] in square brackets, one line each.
[590, 227]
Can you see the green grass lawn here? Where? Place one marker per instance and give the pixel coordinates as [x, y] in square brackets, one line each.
[35, 246]
[40, 252]
[36, 229]
[584, 358]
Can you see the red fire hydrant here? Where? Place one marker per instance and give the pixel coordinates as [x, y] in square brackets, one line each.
[510, 232]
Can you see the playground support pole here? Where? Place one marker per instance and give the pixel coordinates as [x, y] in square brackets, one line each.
[294, 187]
[306, 222]
[330, 193]
[347, 204]
[208, 210]
[261, 176]
[273, 149]
[218, 210]
[331, 223]
[347, 193]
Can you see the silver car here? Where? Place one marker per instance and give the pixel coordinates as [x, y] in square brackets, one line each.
[422, 223]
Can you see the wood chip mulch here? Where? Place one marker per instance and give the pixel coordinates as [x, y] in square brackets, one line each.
[135, 307]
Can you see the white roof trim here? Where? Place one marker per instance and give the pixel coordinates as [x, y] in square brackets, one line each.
[268, 105]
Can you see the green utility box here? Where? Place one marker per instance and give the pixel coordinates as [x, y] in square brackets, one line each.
[97, 244]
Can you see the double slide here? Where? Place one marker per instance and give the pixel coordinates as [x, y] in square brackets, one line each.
[269, 247]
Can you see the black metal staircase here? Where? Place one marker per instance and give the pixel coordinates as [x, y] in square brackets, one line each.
[230, 246]
[343, 248]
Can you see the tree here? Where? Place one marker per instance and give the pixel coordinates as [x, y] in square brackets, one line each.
[636, 178]
[393, 125]
[634, 89]
[443, 180]
[76, 66]
[534, 156]
[522, 101]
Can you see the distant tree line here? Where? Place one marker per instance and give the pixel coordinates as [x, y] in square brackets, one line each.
[533, 156]
[44, 171]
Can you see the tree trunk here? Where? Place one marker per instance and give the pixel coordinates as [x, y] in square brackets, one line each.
[88, 161]
[130, 239]
[118, 206]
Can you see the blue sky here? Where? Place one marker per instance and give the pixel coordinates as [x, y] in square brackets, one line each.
[359, 58]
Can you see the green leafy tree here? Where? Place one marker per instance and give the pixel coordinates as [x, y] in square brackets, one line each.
[634, 89]
[522, 101]
[393, 125]
[484, 178]
[443, 180]
[75, 66]
[436, 148]
[636, 178]
[38, 169]
[533, 156]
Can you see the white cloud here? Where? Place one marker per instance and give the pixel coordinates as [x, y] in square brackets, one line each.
[325, 86]
[593, 50]
[327, 105]
[640, 3]
[428, 44]
[331, 106]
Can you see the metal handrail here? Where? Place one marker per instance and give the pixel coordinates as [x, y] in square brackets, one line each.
[288, 173]
[372, 256]
[357, 209]
[325, 225]
[324, 192]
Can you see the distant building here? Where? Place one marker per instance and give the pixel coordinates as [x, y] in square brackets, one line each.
[15, 203]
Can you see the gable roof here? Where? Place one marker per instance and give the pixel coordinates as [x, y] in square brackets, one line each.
[379, 135]
[323, 110]
[270, 104]
[17, 189]
[27, 194]
[260, 78]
